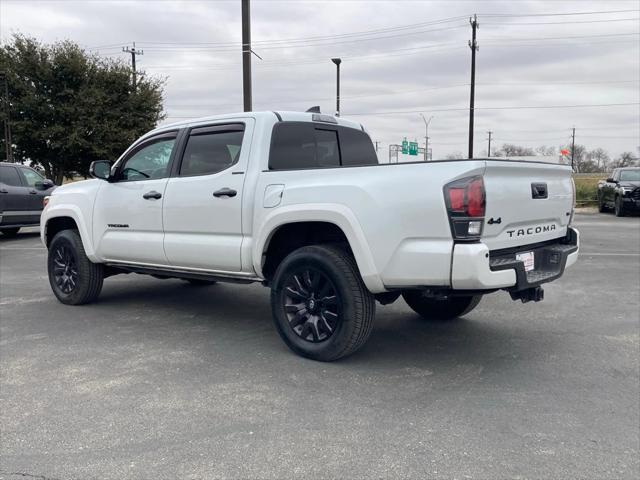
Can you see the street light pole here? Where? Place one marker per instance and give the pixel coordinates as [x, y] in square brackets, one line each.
[426, 136]
[337, 61]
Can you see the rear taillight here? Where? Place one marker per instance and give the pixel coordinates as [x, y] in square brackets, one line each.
[465, 200]
[573, 201]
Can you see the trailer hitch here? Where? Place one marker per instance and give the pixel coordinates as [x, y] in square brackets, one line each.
[535, 294]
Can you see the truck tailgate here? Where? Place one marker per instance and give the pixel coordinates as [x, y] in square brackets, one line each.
[526, 203]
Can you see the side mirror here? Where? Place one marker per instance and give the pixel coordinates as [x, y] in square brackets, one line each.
[100, 169]
[45, 184]
[610, 180]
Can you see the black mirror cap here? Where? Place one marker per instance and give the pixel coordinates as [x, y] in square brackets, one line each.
[45, 184]
[100, 169]
[610, 180]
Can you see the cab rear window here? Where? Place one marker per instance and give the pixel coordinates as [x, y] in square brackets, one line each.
[304, 145]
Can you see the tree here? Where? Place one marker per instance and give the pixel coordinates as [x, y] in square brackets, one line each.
[626, 159]
[599, 159]
[510, 150]
[69, 107]
[454, 156]
[577, 154]
[546, 151]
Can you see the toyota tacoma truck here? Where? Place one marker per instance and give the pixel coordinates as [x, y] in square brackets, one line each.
[298, 202]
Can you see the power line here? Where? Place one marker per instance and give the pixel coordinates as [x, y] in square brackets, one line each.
[563, 14]
[574, 22]
[523, 107]
[537, 39]
[303, 39]
[323, 43]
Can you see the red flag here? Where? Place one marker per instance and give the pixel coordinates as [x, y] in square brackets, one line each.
[564, 152]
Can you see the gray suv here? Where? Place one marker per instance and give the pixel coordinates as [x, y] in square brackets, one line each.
[22, 192]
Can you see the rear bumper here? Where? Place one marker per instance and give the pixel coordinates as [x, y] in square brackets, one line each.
[474, 267]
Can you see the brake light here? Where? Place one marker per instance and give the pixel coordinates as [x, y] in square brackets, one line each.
[456, 199]
[465, 200]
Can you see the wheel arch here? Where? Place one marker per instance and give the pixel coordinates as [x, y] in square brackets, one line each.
[58, 219]
[338, 224]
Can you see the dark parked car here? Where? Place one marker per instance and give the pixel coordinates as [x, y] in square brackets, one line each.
[621, 191]
[22, 192]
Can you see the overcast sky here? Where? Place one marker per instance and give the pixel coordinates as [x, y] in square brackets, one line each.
[399, 58]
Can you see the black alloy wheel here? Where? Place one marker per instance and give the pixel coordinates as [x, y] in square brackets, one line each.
[65, 269]
[74, 279]
[619, 207]
[321, 307]
[311, 304]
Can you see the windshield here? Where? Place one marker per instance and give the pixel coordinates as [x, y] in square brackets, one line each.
[630, 176]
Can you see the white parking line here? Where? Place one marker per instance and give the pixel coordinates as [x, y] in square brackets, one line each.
[609, 254]
[22, 248]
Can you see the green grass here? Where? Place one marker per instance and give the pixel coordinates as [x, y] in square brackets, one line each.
[587, 188]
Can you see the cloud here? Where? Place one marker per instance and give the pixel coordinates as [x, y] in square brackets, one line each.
[410, 63]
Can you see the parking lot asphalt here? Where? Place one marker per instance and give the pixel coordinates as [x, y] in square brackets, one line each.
[160, 379]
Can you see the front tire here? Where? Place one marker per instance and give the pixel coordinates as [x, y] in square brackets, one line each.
[74, 279]
[10, 232]
[440, 309]
[619, 208]
[321, 308]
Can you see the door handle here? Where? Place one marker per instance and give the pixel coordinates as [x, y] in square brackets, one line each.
[225, 192]
[152, 194]
[33, 192]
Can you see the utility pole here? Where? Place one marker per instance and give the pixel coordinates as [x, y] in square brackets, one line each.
[426, 136]
[246, 55]
[133, 53]
[489, 146]
[573, 149]
[474, 47]
[7, 122]
[337, 61]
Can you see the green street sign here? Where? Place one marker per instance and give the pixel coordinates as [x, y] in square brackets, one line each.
[405, 146]
[413, 148]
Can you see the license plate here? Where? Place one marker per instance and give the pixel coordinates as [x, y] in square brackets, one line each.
[528, 259]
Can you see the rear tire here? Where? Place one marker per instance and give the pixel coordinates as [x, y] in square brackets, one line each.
[10, 232]
[619, 208]
[601, 207]
[74, 278]
[321, 308]
[440, 309]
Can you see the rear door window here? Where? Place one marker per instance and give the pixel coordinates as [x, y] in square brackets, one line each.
[9, 176]
[210, 152]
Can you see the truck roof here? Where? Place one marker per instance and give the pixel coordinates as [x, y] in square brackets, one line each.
[289, 116]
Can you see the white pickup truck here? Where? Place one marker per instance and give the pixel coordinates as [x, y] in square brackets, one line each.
[298, 202]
